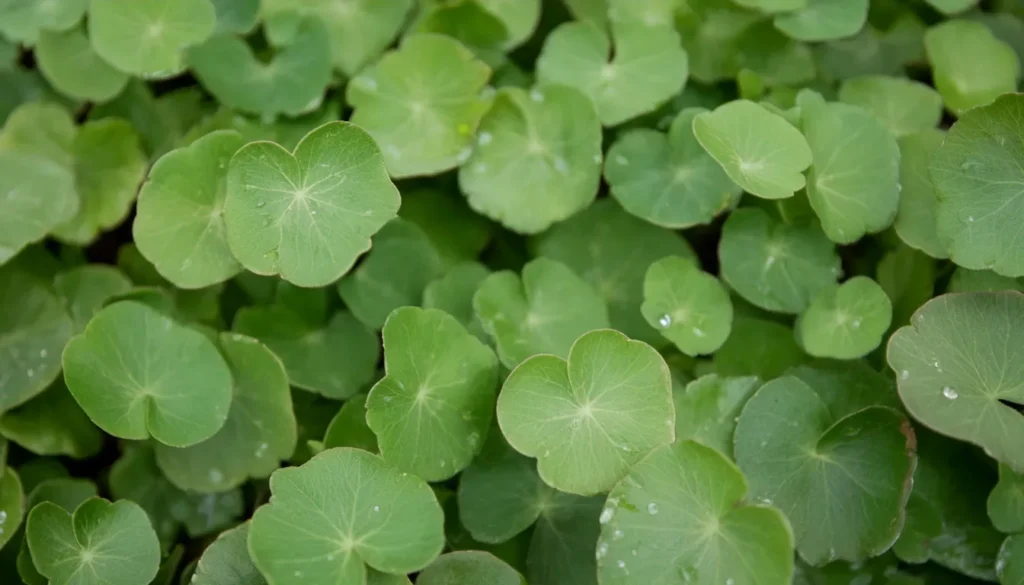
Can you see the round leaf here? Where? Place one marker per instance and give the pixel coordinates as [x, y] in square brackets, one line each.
[453, 293]
[84, 290]
[823, 20]
[1006, 501]
[775, 266]
[916, 223]
[689, 306]
[665, 524]
[422, 104]
[137, 374]
[549, 140]
[759, 150]
[902, 105]
[1010, 564]
[339, 513]
[589, 418]
[959, 373]
[307, 215]
[23, 21]
[100, 543]
[12, 505]
[179, 223]
[758, 348]
[348, 428]
[707, 409]
[853, 184]
[842, 478]
[434, 406]
[845, 322]
[69, 63]
[669, 179]
[52, 424]
[544, 312]
[469, 568]
[982, 153]
[148, 38]
[649, 66]
[226, 561]
[970, 66]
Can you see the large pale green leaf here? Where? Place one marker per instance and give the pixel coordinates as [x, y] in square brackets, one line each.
[307, 215]
[422, 104]
[679, 517]
[342, 512]
[69, 63]
[587, 419]
[432, 410]
[549, 141]
[137, 374]
[959, 372]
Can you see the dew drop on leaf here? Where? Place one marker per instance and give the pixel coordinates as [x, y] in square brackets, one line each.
[652, 508]
[950, 393]
[665, 321]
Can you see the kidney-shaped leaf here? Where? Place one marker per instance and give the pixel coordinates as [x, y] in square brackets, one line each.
[960, 371]
[433, 408]
[137, 374]
[970, 66]
[589, 418]
[226, 561]
[689, 306]
[845, 322]
[679, 517]
[823, 20]
[342, 512]
[307, 215]
[470, 567]
[68, 61]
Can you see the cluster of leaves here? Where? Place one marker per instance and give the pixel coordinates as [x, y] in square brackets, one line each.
[466, 292]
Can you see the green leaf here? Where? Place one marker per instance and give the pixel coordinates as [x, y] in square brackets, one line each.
[773, 6]
[853, 183]
[756, 347]
[308, 215]
[773, 265]
[137, 374]
[456, 232]
[916, 222]
[335, 359]
[970, 66]
[22, 21]
[520, 18]
[433, 408]
[904, 106]
[669, 179]
[663, 524]
[845, 322]
[359, 29]
[236, 16]
[708, 408]
[544, 312]
[109, 166]
[842, 476]
[1010, 564]
[1006, 501]
[179, 224]
[400, 265]
[12, 504]
[563, 543]
[982, 154]
[453, 293]
[501, 495]
[85, 290]
[949, 7]
[966, 280]
[824, 20]
[469, 568]
[65, 492]
[52, 424]
[292, 82]
[587, 419]
[468, 21]
[148, 39]
[759, 150]
[69, 63]
[348, 428]
[100, 543]
[689, 306]
[644, 69]
[340, 513]
[848, 386]
[422, 104]
[611, 250]
[549, 139]
[34, 329]
[226, 561]
[258, 434]
[958, 373]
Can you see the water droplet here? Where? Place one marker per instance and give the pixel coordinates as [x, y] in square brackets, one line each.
[298, 573]
[621, 160]
[665, 321]
[368, 83]
[561, 166]
[602, 550]
[621, 564]
[467, 415]
[484, 139]
[687, 573]
[464, 155]
[480, 168]
[474, 440]
[387, 399]
[261, 450]
[633, 552]
[31, 372]
[938, 368]
[576, 423]
[42, 353]
[652, 508]
[970, 219]
[950, 393]
[856, 323]
[597, 159]
[904, 375]
[444, 464]
[699, 332]
[393, 151]
[330, 557]
[216, 476]
[618, 534]
[606, 515]
[260, 203]
[313, 212]
[729, 581]
[536, 95]
[547, 453]
[764, 501]
[852, 432]
[376, 508]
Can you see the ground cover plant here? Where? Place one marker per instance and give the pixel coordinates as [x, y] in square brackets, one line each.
[505, 292]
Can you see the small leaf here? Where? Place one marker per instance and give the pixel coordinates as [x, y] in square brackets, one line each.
[708, 408]
[348, 428]
[86, 289]
[1006, 501]
[542, 313]
[759, 150]
[52, 424]
[824, 20]
[137, 374]
[12, 504]
[226, 561]
[845, 322]
[469, 568]
[662, 525]
[757, 347]
[1010, 564]
[958, 372]
[432, 410]
[970, 66]
[114, 542]
[902, 105]
[453, 293]
[587, 419]
[22, 22]
[689, 306]
[337, 515]
[916, 222]
[72, 66]
[307, 215]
